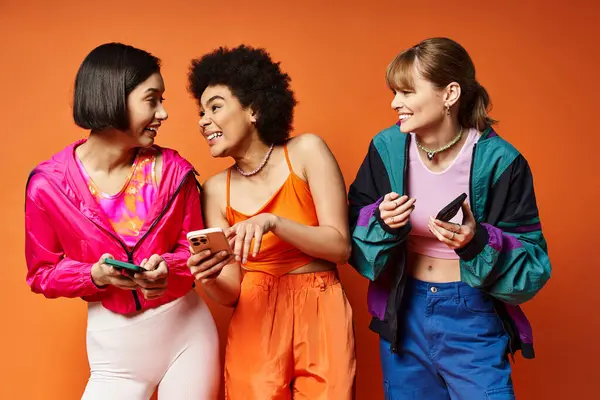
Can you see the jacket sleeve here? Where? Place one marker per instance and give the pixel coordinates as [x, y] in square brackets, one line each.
[373, 242]
[509, 258]
[49, 271]
[179, 273]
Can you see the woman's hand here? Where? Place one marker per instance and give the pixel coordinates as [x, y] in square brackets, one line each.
[395, 210]
[241, 235]
[206, 267]
[455, 236]
[153, 281]
[104, 274]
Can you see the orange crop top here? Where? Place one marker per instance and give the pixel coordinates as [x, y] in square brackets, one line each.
[293, 201]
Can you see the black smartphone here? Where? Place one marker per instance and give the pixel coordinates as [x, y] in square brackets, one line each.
[448, 212]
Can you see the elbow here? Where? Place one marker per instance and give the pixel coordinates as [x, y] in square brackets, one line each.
[46, 292]
[344, 255]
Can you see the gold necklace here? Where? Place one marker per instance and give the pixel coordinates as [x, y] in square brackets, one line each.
[432, 153]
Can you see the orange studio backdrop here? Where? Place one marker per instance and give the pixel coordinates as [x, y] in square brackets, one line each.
[539, 61]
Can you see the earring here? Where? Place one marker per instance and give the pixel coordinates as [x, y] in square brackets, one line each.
[447, 109]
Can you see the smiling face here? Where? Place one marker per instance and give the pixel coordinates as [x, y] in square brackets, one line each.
[145, 110]
[419, 104]
[224, 122]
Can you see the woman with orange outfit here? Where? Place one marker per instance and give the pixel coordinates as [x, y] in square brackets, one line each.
[283, 207]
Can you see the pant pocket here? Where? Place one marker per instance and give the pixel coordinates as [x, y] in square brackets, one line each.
[506, 393]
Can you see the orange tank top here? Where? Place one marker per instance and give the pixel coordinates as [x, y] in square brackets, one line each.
[293, 200]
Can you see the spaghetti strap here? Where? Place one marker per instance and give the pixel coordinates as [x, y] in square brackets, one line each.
[228, 185]
[287, 158]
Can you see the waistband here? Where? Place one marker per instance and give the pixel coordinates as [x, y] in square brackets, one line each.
[446, 289]
[321, 280]
[100, 318]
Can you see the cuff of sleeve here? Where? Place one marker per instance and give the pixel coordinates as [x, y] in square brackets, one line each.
[88, 282]
[177, 263]
[385, 227]
[476, 245]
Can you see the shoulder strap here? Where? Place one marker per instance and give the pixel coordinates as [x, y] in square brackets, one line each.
[228, 185]
[287, 157]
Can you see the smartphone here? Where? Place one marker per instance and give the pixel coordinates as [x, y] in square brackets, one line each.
[120, 265]
[212, 239]
[448, 212]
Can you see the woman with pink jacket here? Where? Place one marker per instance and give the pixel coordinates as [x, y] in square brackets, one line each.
[117, 195]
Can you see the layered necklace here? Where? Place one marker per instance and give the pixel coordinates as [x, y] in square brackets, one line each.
[259, 168]
[432, 153]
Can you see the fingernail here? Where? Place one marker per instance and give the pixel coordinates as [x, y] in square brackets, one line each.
[223, 254]
[207, 252]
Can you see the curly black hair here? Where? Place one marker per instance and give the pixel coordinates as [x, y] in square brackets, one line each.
[255, 80]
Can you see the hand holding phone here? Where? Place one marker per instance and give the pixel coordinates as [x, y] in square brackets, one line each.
[153, 279]
[210, 253]
[454, 235]
[103, 274]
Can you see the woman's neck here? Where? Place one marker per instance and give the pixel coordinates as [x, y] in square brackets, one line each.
[105, 152]
[253, 156]
[438, 136]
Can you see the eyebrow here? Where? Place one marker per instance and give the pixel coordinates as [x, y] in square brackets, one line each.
[152, 90]
[215, 97]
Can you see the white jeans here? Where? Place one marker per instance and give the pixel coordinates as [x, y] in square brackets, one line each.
[174, 346]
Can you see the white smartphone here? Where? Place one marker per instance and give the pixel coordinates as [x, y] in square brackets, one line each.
[212, 239]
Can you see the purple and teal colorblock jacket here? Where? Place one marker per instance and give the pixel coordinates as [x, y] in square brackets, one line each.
[507, 258]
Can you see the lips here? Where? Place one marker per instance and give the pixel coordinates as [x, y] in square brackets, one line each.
[152, 128]
[214, 135]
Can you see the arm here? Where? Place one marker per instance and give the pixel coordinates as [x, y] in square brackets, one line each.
[49, 271]
[330, 240]
[509, 259]
[225, 287]
[373, 241]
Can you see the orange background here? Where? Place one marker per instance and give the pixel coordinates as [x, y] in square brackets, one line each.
[538, 61]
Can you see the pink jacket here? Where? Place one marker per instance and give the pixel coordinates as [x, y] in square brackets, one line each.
[67, 232]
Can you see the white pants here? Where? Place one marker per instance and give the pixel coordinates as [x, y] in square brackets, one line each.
[174, 347]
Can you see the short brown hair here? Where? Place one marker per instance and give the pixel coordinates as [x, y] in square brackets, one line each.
[442, 61]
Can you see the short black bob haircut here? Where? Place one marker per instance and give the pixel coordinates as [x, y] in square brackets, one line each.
[104, 80]
[255, 80]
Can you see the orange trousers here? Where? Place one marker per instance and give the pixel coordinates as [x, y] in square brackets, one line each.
[291, 338]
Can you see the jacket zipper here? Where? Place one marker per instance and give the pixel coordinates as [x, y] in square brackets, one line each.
[136, 299]
[404, 191]
[510, 347]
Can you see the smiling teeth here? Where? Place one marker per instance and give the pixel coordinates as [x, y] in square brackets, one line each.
[405, 116]
[214, 135]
